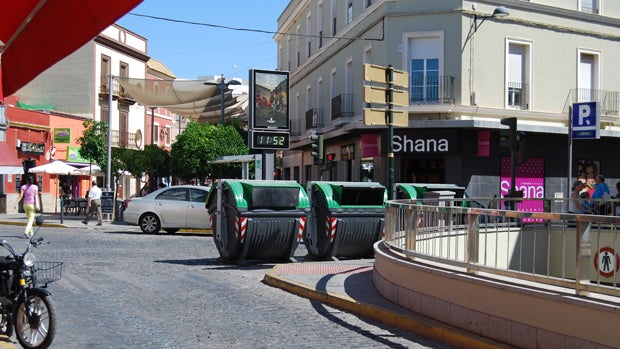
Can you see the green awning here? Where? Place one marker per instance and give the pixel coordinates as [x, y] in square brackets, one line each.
[34, 106]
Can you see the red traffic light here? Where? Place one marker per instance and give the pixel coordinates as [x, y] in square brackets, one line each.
[330, 156]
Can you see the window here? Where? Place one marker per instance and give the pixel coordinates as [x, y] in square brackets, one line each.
[589, 6]
[350, 12]
[334, 15]
[197, 195]
[588, 76]
[425, 52]
[155, 134]
[425, 80]
[319, 23]
[174, 194]
[368, 3]
[309, 31]
[518, 75]
[167, 137]
[105, 72]
[298, 45]
[123, 73]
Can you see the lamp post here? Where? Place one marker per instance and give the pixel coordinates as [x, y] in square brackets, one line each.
[222, 85]
[499, 11]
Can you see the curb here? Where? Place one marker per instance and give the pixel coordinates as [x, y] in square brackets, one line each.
[420, 325]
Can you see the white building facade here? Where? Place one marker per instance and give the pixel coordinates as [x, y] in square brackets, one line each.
[467, 70]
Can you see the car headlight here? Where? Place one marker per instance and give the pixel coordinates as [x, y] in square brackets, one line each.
[29, 259]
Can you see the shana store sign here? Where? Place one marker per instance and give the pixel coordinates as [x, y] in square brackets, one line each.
[428, 144]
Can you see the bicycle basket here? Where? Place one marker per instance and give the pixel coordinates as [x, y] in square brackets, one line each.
[47, 272]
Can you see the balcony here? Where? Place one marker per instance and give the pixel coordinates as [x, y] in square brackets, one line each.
[518, 95]
[124, 140]
[104, 91]
[314, 118]
[125, 99]
[431, 90]
[609, 100]
[342, 106]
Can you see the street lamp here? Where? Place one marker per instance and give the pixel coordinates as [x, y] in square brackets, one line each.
[222, 85]
[499, 11]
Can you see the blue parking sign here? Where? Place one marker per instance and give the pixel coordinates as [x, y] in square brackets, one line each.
[586, 120]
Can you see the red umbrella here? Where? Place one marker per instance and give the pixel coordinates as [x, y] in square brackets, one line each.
[36, 34]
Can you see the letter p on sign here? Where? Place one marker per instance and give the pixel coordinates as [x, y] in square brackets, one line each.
[584, 113]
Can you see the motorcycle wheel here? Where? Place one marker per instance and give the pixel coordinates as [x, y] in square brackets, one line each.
[37, 331]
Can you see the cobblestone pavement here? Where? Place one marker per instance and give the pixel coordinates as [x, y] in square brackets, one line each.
[122, 289]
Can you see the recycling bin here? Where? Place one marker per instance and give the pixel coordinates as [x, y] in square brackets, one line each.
[257, 219]
[346, 219]
[428, 191]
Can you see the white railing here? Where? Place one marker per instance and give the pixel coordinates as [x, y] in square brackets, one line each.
[576, 251]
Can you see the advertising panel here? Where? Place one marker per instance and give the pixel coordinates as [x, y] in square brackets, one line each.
[530, 178]
[269, 105]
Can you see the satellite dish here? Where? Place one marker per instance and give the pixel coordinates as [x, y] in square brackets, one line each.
[138, 138]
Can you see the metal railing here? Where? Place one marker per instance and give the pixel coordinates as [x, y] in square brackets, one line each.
[575, 251]
[431, 90]
[314, 118]
[342, 106]
[609, 100]
[124, 140]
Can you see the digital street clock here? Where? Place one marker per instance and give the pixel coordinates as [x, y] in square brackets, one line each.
[269, 140]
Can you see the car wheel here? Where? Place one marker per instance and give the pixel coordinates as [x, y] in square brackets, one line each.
[171, 231]
[149, 223]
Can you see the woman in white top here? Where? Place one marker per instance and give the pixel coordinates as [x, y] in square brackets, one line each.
[574, 205]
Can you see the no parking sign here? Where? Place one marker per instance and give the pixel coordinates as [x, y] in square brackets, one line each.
[606, 262]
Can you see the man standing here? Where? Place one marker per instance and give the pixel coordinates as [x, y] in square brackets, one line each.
[94, 203]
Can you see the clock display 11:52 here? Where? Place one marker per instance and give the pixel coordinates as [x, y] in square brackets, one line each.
[271, 140]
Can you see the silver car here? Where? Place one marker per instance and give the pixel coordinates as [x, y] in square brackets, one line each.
[170, 208]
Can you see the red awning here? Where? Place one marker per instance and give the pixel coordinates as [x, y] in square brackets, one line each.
[9, 163]
[38, 33]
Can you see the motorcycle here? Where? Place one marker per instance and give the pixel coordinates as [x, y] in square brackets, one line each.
[25, 303]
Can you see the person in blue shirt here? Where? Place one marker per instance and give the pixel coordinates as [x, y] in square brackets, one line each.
[600, 195]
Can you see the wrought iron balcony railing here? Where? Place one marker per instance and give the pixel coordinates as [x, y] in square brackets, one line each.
[609, 100]
[518, 95]
[431, 90]
[342, 106]
[314, 118]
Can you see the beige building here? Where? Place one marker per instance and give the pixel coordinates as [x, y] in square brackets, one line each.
[469, 65]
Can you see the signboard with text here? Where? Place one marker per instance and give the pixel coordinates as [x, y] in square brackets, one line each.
[586, 119]
[530, 178]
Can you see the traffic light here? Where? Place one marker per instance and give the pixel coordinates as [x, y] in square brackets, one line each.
[508, 138]
[317, 147]
[330, 156]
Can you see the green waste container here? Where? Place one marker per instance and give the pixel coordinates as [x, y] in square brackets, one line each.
[346, 219]
[255, 219]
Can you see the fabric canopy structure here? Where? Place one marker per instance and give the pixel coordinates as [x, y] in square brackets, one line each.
[9, 163]
[36, 34]
[55, 168]
[190, 98]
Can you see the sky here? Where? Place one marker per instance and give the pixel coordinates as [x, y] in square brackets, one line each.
[191, 51]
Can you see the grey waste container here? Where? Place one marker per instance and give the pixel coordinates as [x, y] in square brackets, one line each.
[346, 219]
[419, 190]
[254, 219]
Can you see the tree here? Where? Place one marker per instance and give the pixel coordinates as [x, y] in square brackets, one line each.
[199, 144]
[93, 143]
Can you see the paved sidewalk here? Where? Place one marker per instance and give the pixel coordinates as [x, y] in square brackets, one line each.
[348, 285]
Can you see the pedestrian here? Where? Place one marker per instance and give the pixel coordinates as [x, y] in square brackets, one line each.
[29, 192]
[94, 203]
[600, 197]
[574, 205]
